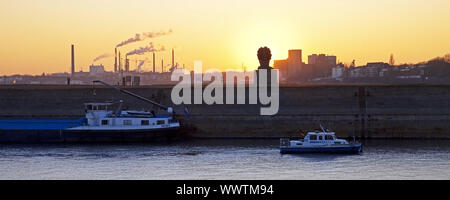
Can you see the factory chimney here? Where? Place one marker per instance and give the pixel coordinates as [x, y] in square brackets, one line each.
[127, 64]
[162, 65]
[73, 60]
[120, 63]
[154, 62]
[115, 60]
[173, 58]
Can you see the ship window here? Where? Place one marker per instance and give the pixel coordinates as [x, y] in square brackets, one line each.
[320, 137]
[105, 122]
[159, 122]
[89, 107]
[126, 122]
[313, 137]
[329, 137]
[145, 122]
[102, 107]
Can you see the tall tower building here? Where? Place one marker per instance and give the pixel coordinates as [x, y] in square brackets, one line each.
[294, 61]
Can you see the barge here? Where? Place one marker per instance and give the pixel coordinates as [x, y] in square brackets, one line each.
[100, 124]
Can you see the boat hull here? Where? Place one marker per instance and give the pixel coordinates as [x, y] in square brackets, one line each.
[88, 136]
[341, 149]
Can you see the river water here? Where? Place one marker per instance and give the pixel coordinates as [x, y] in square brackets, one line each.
[224, 159]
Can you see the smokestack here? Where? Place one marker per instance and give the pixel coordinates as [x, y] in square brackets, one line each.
[173, 59]
[115, 60]
[154, 67]
[120, 63]
[127, 64]
[73, 60]
[162, 65]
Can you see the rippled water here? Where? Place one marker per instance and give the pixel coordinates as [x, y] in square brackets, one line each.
[224, 159]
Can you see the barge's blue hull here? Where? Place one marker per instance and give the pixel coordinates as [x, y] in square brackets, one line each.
[57, 131]
[348, 149]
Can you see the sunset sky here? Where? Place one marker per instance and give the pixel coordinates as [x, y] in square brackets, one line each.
[36, 35]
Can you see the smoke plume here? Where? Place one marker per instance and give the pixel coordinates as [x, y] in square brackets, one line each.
[146, 49]
[136, 38]
[141, 63]
[140, 37]
[106, 55]
[157, 34]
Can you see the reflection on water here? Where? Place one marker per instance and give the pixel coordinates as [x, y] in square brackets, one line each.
[224, 159]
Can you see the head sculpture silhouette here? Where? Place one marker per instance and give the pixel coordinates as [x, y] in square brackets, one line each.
[264, 57]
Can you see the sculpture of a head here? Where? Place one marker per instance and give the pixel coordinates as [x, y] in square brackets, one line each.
[264, 56]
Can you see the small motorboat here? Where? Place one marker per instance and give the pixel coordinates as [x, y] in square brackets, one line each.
[319, 142]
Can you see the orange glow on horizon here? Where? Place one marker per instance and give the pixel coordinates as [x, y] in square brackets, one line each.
[36, 34]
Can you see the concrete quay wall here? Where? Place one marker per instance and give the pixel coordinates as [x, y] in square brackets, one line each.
[367, 111]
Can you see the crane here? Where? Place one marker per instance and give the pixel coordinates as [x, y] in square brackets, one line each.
[169, 109]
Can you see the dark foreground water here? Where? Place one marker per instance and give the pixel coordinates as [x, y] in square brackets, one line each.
[224, 159]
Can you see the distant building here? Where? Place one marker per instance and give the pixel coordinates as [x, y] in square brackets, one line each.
[377, 64]
[294, 61]
[312, 59]
[384, 72]
[332, 60]
[282, 66]
[322, 59]
[321, 65]
[371, 70]
[357, 72]
[291, 67]
[95, 70]
[81, 74]
[65, 74]
[338, 72]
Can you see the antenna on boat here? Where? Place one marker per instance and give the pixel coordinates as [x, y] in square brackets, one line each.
[322, 128]
[169, 109]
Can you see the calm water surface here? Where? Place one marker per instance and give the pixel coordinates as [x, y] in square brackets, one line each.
[224, 159]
